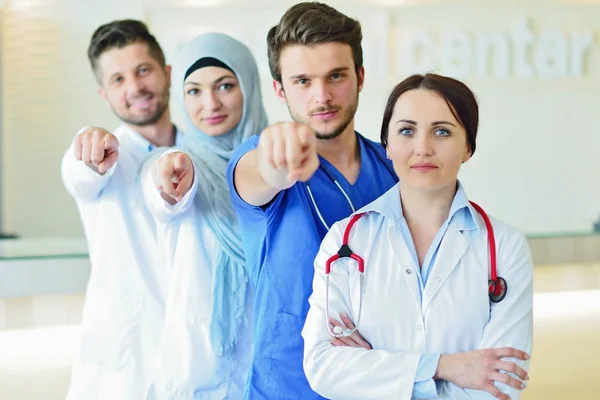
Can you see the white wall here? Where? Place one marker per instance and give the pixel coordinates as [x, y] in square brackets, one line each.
[538, 154]
[48, 93]
[538, 159]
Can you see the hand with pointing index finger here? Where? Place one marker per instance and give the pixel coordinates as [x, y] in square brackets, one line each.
[289, 147]
[173, 175]
[97, 148]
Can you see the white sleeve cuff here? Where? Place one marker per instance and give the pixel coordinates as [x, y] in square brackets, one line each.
[160, 208]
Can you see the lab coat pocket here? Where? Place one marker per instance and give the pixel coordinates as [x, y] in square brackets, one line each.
[110, 328]
[187, 360]
[288, 352]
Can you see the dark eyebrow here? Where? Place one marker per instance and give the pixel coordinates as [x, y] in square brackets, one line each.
[330, 72]
[299, 76]
[142, 64]
[339, 69]
[442, 123]
[216, 80]
[435, 123]
[222, 78]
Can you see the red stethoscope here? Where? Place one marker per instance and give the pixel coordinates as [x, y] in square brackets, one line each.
[497, 286]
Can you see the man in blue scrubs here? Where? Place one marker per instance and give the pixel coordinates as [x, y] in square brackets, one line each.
[284, 184]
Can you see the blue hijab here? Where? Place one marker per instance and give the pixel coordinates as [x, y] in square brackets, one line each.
[211, 155]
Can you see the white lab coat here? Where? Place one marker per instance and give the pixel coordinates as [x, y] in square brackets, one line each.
[189, 367]
[455, 314]
[124, 306]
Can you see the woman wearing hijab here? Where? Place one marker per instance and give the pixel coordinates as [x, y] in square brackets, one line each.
[207, 344]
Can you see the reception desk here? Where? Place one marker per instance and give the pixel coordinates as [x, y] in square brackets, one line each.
[560, 248]
[45, 266]
[42, 282]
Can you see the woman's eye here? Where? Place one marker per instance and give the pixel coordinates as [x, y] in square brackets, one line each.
[442, 132]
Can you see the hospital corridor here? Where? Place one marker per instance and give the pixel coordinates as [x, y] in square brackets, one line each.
[191, 192]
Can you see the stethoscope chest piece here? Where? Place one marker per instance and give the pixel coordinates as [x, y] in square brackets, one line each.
[497, 289]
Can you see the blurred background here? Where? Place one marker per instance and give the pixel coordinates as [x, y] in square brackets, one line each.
[534, 65]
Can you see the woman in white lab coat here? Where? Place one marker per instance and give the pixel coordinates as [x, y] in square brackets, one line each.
[427, 327]
[207, 343]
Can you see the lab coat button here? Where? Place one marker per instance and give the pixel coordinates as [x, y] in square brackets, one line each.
[420, 327]
[438, 279]
[408, 271]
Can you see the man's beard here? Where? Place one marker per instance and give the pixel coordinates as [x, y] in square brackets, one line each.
[348, 116]
[151, 119]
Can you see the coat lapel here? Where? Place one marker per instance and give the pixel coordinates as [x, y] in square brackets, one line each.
[405, 262]
[452, 249]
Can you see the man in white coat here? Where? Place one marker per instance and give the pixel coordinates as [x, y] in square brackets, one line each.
[100, 170]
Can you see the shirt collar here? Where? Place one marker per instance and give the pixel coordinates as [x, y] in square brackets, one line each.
[143, 143]
[461, 211]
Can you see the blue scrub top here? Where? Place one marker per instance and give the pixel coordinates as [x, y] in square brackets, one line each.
[281, 241]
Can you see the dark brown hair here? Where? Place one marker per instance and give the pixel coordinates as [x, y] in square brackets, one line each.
[312, 23]
[460, 99]
[121, 33]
